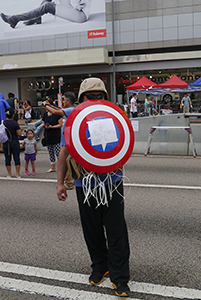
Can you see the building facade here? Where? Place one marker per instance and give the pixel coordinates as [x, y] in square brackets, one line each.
[121, 41]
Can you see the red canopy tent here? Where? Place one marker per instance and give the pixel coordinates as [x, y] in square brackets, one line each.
[173, 83]
[142, 83]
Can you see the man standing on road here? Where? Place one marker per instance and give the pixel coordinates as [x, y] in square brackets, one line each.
[104, 226]
[186, 102]
[134, 106]
[146, 106]
[151, 107]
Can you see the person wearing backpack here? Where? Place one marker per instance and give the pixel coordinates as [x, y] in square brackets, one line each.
[12, 147]
[27, 111]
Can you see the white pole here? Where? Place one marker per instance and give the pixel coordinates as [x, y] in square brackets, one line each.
[113, 51]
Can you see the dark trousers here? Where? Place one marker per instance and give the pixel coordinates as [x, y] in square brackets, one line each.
[106, 235]
[12, 148]
[134, 114]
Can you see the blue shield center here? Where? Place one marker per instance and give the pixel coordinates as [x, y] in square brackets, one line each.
[109, 145]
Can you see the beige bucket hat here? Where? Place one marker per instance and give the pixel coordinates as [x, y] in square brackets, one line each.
[92, 84]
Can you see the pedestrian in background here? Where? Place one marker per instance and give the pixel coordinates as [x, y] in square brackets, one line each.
[20, 110]
[52, 124]
[30, 151]
[151, 107]
[125, 108]
[146, 106]
[13, 102]
[68, 105]
[186, 103]
[27, 111]
[12, 147]
[134, 106]
[38, 125]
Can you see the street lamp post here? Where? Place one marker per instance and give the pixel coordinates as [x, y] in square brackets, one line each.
[113, 52]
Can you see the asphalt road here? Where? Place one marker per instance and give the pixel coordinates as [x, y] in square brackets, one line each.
[163, 223]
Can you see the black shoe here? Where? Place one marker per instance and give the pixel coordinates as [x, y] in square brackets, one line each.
[97, 277]
[12, 20]
[122, 289]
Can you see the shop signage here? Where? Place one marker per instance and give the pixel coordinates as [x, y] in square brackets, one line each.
[158, 79]
[183, 77]
[92, 34]
[38, 85]
[127, 80]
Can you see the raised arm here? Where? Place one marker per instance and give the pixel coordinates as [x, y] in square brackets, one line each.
[53, 109]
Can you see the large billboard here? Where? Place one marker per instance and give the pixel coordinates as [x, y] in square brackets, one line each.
[27, 19]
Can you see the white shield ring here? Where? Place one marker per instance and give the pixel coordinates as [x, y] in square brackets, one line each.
[97, 122]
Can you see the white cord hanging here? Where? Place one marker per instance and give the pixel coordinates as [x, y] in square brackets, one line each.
[94, 186]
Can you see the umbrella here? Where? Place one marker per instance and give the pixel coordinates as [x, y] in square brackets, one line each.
[196, 83]
[142, 83]
[146, 86]
[174, 83]
[190, 89]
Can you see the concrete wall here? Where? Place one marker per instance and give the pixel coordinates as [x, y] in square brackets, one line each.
[196, 130]
[7, 86]
[170, 142]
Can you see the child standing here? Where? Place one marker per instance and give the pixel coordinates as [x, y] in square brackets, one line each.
[30, 151]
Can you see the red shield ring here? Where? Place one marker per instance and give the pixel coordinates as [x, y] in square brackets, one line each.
[99, 136]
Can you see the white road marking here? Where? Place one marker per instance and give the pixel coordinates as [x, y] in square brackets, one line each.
[138, 287]
[28, 179]
[140, 185]
[50, 290]
[163, 186]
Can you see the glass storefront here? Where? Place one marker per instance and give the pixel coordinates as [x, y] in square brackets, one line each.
[36, 89]
[125, 79]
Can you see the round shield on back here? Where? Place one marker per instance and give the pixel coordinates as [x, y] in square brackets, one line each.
[99, 136]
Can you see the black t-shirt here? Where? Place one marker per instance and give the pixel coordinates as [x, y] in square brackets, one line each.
[11, 102]
[12, 126]
[53, 135]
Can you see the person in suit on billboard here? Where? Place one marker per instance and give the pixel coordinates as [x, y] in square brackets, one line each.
[71, 10]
